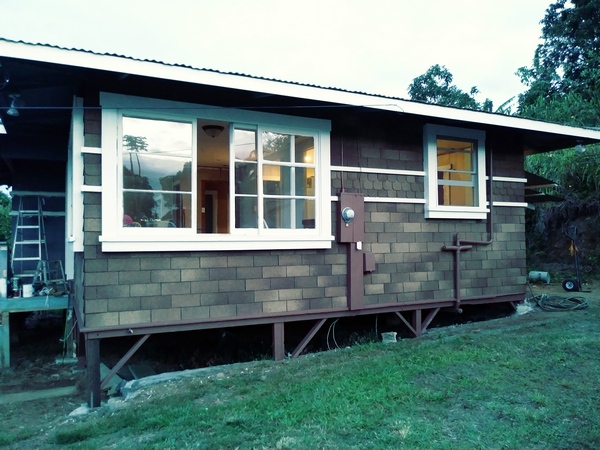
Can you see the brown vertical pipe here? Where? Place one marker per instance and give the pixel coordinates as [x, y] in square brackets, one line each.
[354, 277]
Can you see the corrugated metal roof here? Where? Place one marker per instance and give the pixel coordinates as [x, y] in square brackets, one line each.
[44, 52]
[204, 69]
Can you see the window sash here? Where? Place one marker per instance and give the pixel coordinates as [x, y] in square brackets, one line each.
[462, 181]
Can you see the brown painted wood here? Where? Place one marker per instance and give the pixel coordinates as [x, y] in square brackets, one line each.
[316, 327]
[93, 372]
[123, 360]
[278, 341]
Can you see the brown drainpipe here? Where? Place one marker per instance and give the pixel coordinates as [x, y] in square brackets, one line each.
[468, 245]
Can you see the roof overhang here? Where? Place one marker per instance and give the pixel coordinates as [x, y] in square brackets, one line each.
[547, 136]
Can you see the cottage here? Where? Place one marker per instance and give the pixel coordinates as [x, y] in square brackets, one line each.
[197, 199]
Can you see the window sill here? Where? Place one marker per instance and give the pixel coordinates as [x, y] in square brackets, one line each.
[220, 243]
[473, 214]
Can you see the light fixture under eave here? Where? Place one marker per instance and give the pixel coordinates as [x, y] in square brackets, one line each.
[13, 111]
[2, 128]
[213, 130]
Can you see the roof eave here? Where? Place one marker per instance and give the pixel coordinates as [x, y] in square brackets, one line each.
[122, 64]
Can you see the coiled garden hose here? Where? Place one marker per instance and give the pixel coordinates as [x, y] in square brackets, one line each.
[557, 303]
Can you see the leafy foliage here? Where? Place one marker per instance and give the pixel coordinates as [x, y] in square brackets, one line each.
[435, 86]
[5, 220]
[564, 80]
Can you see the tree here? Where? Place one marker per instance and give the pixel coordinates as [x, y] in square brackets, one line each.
[563, 83]
[135, 144]
[435, 86]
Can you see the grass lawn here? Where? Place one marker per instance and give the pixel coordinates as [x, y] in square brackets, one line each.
[527, 381]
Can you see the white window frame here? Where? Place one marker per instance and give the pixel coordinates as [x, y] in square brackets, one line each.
[116, 238]
[433, 210]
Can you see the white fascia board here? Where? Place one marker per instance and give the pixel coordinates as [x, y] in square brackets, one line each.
[121, 64]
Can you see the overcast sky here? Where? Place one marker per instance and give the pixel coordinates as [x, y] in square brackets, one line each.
[375, 46]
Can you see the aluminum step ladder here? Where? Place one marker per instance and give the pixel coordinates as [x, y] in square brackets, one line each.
[29, 244]
[51, 275]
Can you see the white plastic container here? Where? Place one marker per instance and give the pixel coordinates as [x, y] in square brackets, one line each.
[534, 275]
[28, 290]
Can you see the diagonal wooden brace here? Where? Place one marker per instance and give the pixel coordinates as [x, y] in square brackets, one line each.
[418, 326]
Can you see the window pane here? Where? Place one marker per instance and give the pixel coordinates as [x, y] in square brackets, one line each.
[305, 181]
[142, 171]
[276, 147]
[277, 180]
[244, 144]
[157, 137]
[147, 209]
[245, 178]
[305, 213]
[289, 213]
[305, 149]
[246, 212]
[278, 212]
[456, 195]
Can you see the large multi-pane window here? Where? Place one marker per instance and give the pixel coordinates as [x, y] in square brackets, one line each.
[190, 181]
[455, 172]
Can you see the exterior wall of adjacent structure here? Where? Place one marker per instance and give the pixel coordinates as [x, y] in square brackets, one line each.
[129, 289]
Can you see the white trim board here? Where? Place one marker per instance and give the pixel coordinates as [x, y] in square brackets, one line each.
[121, 64]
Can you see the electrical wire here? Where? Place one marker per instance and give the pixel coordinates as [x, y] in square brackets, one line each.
[332, 332]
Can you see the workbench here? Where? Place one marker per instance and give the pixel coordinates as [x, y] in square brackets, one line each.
[23, 304]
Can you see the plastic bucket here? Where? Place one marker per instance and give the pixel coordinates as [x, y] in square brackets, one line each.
[28, 290]
[388, 337]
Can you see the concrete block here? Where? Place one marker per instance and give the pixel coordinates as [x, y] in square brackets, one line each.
[222, 311]
[156, 302]
[189, 262]
[113, 291]
[124, 304]
[175, 288]
[134, 317]
[166, 315]
[165, 276]
[101, 319]
[145, 289]
[274, 307]
[185, 300]
[195, 312]
[101, 279]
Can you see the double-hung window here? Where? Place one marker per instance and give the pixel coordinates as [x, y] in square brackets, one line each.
[202, 178]
[455, 173]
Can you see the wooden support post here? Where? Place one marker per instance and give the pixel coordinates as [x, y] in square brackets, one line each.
[278, 342]
[416, 322]
[93, 372]
[5, 340]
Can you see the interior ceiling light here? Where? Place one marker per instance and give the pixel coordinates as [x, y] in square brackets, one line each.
[213, 130]
[13, 111]
[2, 128]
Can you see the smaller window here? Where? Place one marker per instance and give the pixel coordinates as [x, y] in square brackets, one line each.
[455, 173]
